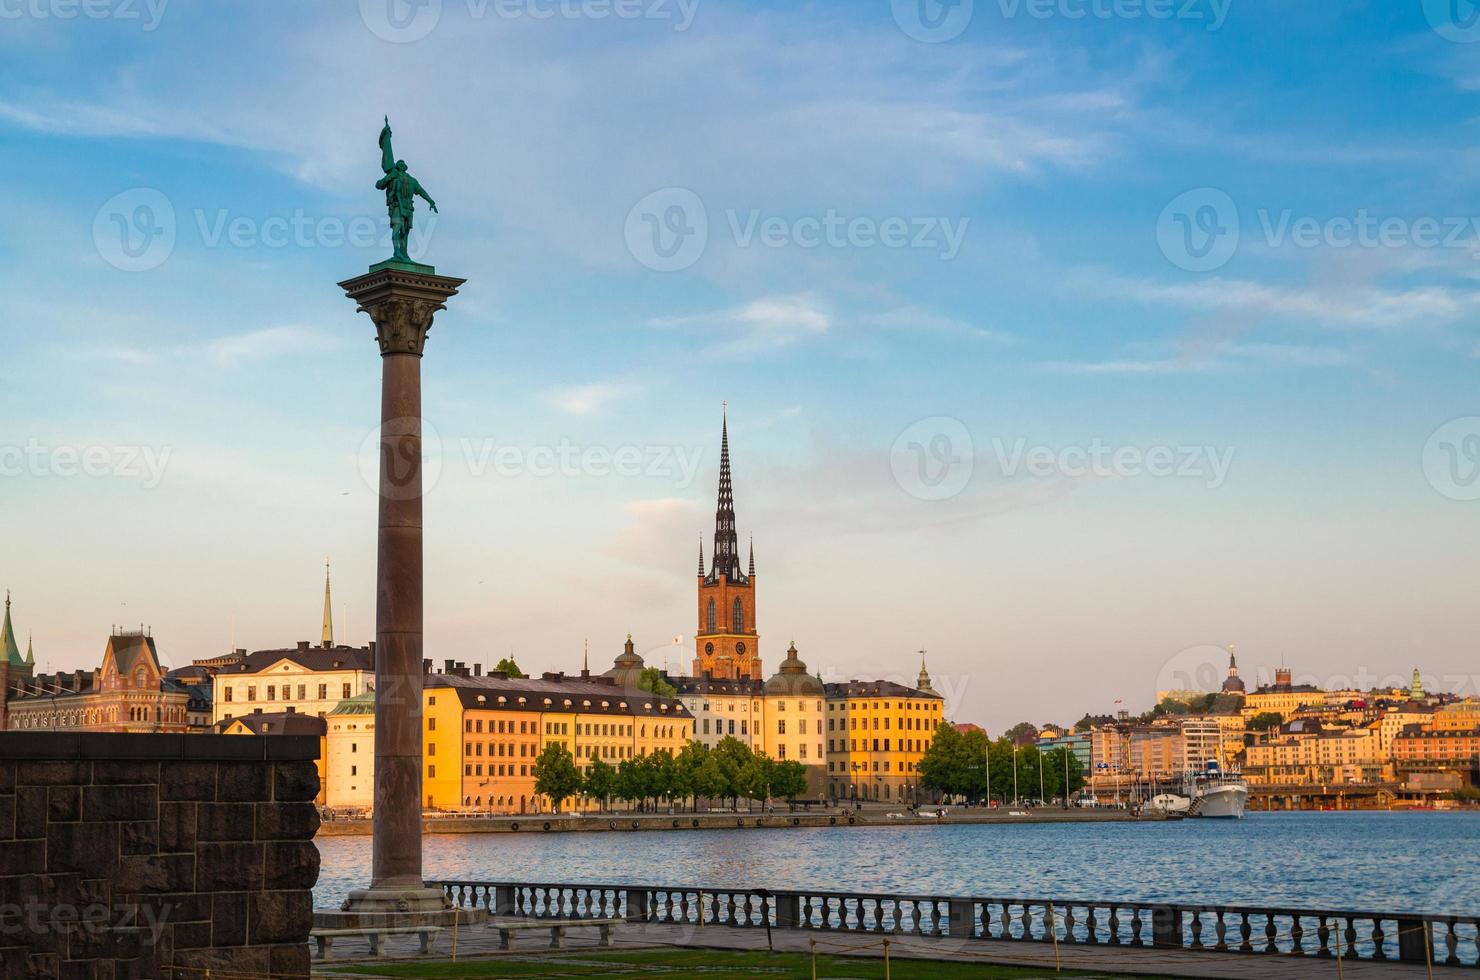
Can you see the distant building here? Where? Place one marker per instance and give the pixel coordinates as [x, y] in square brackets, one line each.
[310, 680]
[1234, 684]
[128, 692]
[283, 723]
[877, 732]
[727, 642]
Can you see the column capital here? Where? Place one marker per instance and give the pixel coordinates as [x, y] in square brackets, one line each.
[402, 303]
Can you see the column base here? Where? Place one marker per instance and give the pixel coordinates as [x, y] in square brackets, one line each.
[369, 908]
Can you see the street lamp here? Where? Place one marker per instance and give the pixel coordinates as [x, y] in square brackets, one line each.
[1015, 799]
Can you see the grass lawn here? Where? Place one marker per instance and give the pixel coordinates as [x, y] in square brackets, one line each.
[698, 964]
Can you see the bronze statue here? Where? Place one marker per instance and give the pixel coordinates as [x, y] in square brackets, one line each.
[401, 190]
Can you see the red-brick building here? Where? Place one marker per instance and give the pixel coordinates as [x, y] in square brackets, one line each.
[726, 642]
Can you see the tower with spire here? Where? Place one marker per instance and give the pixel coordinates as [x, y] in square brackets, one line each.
[1234, 685]
[328, 636]
[13, 666]
[922, 683]
[726, 642]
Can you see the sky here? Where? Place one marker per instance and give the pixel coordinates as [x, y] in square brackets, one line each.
[1070, 341]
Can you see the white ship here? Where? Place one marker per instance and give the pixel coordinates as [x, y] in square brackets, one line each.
[1210, 792]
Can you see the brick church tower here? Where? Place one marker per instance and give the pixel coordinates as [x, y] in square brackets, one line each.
[726, 644]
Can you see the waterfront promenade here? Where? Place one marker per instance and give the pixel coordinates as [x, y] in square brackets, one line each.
[481, 942]
[728, 820]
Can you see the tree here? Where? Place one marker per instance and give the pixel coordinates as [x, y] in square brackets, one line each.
[1056, 762]
[556, 774]
[731, 756]
[1264, 721]
[508, 666]
[1171, 706]
[635, 780]
[686, 767]
[943, 766]
[651, 679]
[1018, 731]
[662, 775]
[789, 780]
[600, 782]
[757, 777]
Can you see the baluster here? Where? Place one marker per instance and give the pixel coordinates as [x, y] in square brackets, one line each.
[1451, 944]
[1221, 931]
[1323, 936]
[1069, 924]
[1027, 921]
[1297, 935]
[1114, 926]
[1136, 926]
[985, 917]
[1196, 926]
[1245, 930]
[1270, 933]
[1091, 928]
[1351, 940]
[1378, 952]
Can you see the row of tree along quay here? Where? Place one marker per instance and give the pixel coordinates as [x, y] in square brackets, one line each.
[730, 771]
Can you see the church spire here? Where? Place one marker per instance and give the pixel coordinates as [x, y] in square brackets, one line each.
[8, 648]
[922, 683]
[726, 557]
[701, 556]
[30, 652]
[328, 635]
[752, 557]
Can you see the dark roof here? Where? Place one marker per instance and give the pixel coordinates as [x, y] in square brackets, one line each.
[882, 689]
[277, 723]
[312, 658]
[731, 687]
[535, 690]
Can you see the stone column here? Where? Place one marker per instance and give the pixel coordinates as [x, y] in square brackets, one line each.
[401, 300]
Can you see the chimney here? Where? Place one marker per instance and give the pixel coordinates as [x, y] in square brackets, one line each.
[371, 647]
[449, 666]
[256, 711]
[477, 670]
[77, 681]
[426, 666]
[292, 709]
[303, 644]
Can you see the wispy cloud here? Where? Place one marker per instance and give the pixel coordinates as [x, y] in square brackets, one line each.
[584, 399]
[231, 350]
[761, 325]
[1212, 359]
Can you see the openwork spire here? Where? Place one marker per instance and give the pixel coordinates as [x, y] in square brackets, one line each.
[701, 556]
[752, 556]
[726, 558]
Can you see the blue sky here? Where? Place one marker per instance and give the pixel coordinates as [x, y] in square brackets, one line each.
[1235, 245]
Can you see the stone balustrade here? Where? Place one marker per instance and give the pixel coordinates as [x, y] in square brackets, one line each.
[1452, 941]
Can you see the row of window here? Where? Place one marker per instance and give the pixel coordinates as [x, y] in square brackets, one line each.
[910, 724]
[863, 767]
[913, 704]
[503, 769]
[229, 692]
[905, 745]
[527, 750]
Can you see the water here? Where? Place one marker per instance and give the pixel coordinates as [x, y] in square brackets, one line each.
[1398, 862]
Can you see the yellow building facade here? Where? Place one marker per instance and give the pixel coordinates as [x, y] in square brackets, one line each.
[483, 734]
[876, 734]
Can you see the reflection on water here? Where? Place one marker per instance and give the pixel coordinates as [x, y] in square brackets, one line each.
[1421, 862]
